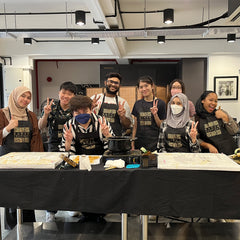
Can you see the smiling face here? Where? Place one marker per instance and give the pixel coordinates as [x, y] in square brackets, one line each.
[145, 89]
[176, 88]
[210, 102]
[24, 100]
[65, 96]
[112, 85]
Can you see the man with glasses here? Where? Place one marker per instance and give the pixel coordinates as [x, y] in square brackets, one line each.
[115, 109]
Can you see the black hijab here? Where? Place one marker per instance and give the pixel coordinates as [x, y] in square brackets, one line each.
[200, 110]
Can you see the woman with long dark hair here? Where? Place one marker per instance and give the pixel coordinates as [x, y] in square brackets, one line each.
[148, 114]
[215, 126]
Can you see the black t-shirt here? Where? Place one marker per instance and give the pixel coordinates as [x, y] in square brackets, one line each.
[147, 129]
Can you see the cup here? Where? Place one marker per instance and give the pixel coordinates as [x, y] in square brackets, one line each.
[84, 163]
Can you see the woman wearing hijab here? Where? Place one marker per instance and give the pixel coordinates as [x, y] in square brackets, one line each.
[215, 127]
[178, 133]
[19, 133]
[178, 86]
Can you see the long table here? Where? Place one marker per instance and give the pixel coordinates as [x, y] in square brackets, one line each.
[185, 193]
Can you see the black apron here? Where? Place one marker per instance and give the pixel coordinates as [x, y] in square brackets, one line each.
[109, 111]
[56, 129]
[88, 143]
[18, 140]
[212, 130]
[176, 140]
[147, 129]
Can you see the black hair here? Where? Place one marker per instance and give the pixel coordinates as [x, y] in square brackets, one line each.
[80, 102]
[69, 86]
[170, 87]
[147, 79]
[180, 82]
[114, 74]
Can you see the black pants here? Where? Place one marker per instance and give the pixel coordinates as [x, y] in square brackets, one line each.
[11, 217]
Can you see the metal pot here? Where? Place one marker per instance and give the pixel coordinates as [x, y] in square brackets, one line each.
[119, 143]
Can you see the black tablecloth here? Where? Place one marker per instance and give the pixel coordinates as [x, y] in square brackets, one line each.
[182, 193]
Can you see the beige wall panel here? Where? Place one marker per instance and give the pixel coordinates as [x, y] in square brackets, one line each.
[129, 94]
[91, 91]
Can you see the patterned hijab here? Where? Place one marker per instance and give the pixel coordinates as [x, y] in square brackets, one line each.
[16, 111]
[179, 120]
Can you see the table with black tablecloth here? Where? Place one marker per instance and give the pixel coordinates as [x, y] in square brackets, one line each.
[185, 193]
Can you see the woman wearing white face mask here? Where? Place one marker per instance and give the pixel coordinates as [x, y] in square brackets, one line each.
[178, 86]
[178, 133]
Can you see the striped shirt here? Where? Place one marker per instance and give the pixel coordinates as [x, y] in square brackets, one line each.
[194, 147]
[95, 123]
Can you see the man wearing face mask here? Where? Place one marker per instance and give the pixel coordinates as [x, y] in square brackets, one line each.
[84, 134]
[178, 133]
[114, 108]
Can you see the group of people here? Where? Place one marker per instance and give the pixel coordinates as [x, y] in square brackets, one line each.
[80, 125]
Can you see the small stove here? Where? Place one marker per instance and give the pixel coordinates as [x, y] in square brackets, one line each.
[130, 157]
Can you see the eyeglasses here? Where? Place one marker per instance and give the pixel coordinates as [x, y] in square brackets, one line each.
[113, 82]
[177, 87]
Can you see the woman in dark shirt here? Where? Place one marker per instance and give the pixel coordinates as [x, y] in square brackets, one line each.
[215, 126]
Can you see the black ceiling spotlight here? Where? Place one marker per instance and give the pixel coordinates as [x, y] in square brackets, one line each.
[80, 17]
[168, 16]
[231, 37]
[27, 41]
[161, 39]
[95, 41]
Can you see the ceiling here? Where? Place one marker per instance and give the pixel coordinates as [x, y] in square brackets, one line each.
[200, 28]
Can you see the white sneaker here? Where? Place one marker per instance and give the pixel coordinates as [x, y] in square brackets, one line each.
[50, 217]
[74, 213]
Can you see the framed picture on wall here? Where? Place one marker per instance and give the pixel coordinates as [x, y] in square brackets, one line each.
[226, 87]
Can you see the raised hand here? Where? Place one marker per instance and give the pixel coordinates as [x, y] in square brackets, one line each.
[154, 108]
[221, 115]
[48, 108]
[12, 124]
[68, 133]
[95, 100]
[104, 127]
[121, 110]
[194, 132]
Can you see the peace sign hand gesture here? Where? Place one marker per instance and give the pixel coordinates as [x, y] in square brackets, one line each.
[154, 108]
[48, 108]
[95, 100]
[194, 132]
[68, 133]
[104, 127]
[121, 110]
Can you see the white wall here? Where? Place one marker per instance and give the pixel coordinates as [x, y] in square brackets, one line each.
[78, 72]
[225, 65]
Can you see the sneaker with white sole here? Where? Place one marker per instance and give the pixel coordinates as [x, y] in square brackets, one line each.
[50, 217]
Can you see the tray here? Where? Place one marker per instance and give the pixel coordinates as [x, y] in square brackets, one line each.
[49, 160]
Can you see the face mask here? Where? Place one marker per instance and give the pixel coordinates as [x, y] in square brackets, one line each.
[82, 118]
[176, 109]
[174, 91]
